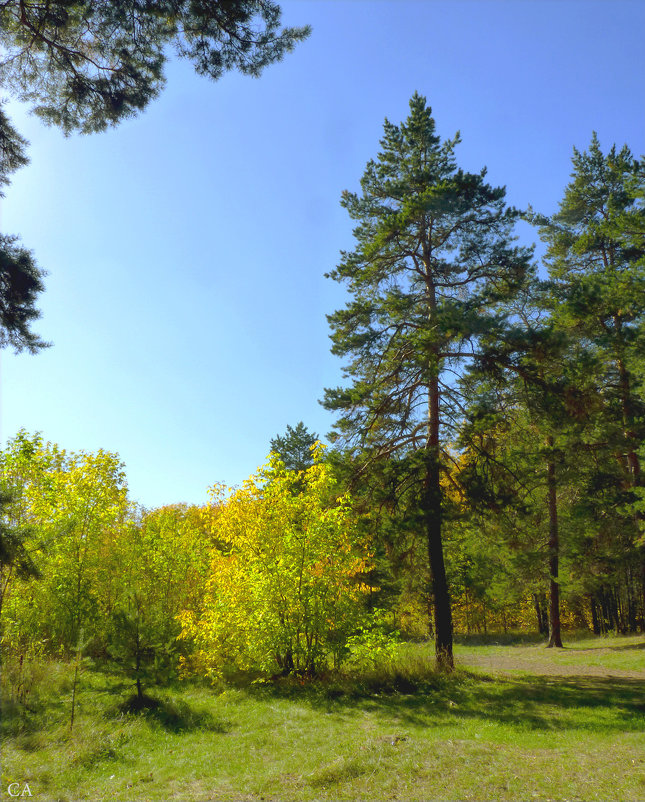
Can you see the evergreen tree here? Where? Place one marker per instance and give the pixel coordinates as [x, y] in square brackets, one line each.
[16, 546]
[136, 648]
[433, 264]
[294, 447]
[596, 261]
[20, 278]
[86, 65]
[89, 64]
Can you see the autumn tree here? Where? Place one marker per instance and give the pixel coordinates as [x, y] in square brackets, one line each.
[161, 561]
[77, 504]
[433, 263]
[285, 591]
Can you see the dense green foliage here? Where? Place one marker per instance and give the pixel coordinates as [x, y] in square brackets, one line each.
[294, 447]
[433, 265]
[86, 65]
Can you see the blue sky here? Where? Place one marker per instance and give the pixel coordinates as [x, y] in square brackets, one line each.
[186, 249]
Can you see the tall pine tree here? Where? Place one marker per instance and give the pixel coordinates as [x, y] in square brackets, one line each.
[432, 268]
[596, 261]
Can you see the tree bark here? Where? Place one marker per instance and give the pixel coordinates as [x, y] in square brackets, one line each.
[555, 638]
[433, 520]
[540, 612]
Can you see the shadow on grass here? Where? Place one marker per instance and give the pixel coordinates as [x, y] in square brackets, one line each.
[17, 719]
[501, 639]
[584, 704]
[170, 714]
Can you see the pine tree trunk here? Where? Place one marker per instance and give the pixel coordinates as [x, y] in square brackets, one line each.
[554, 554]
[633, 463]
[433, 520]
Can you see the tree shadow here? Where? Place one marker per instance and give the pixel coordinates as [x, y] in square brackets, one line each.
[537, 703]
[170, 714]
[546, 703]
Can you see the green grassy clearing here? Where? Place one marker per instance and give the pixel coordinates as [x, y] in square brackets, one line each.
[402, 733]
[585, 654]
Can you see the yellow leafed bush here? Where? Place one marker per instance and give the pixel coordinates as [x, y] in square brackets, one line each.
[285, 589]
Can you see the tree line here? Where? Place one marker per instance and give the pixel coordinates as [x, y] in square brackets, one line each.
[485, 468]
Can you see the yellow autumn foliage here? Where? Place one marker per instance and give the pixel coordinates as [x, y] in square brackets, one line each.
[285, 589]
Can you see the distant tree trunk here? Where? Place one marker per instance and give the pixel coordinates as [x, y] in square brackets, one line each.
[642, 612]
[595, 621]
[138, 660]
[633, 463]
[580, 619]
[541, 614]
[554, 553]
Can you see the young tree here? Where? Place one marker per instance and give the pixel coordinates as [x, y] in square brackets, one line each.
[17, 557]
[136, 648]
[294, 447]
[78, 505]
[285, 588]
[432, 266]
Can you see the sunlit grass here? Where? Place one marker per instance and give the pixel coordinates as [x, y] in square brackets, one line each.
[398, 733]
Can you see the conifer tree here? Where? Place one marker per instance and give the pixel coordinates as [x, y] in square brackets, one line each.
[432, 268]
[86, 64]
[20, 278]
[596, 261]
[294, 447]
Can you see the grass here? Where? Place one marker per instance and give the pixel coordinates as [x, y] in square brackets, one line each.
[582, 654]
[401, 733]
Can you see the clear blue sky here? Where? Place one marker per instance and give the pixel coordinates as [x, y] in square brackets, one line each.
[186, 248]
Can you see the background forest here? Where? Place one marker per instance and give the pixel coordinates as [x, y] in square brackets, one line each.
[483, 476]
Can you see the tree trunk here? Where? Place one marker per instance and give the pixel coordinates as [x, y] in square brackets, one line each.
[631, 439]
[633, 464]
[554, 553]
[540, 612]
[433, 515]
[595, 622]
